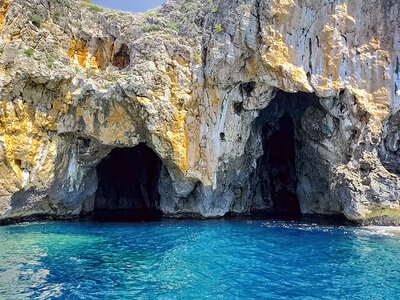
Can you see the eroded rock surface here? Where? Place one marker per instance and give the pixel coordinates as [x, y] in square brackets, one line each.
[203, 84]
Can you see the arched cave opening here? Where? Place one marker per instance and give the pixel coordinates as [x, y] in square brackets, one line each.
[128, 185]
[290, 177]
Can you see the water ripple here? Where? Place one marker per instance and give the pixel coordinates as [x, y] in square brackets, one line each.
[198, 260]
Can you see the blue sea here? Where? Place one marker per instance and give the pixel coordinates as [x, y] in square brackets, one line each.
[198, 260]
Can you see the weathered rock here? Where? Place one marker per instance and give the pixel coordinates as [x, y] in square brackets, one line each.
[203, 83]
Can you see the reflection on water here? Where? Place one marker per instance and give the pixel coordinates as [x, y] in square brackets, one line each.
[215, 259]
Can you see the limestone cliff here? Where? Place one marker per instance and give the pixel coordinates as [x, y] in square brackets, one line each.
[206, 85]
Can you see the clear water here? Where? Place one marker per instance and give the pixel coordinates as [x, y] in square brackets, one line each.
[197, 260]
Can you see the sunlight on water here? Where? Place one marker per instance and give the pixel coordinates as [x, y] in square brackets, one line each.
[214, 259]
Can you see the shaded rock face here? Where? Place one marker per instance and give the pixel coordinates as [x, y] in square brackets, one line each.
[390, 146]
[273, 106]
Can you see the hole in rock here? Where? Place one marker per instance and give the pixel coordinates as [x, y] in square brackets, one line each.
[292, 174]
[238, 107]
[128, 185]
[247, 88]
[222, 136]
[18, 163]
[122, 59]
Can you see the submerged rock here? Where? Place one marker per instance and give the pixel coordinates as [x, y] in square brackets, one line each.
[204, 84]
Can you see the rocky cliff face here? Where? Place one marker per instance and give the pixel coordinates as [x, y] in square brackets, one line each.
[282, 106]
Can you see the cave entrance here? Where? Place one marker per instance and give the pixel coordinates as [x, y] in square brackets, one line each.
[279, 147]
[282, 185]
[128, 185]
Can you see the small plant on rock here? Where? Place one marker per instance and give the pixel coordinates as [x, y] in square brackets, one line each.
[198, 59]
[29, 52]
[151, 28]
[36, 20]
[148, 43]
[173, 26]
[90, 72]
[218, 28]
[57, 15]
[50, 60]
[152, 13]
[95, 9]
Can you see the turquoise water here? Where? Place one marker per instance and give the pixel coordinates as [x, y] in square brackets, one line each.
[196, 260]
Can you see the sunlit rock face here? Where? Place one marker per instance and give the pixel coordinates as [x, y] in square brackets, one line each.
[213, 88]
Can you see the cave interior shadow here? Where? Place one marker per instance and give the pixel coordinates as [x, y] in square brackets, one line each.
[128, 186]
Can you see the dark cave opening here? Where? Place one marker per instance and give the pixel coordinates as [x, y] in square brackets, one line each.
[279, 145]
[128, 185]
[282, 167]
[122, 59]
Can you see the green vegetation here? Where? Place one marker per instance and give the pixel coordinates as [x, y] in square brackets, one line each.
[1, 50]
[190, 10]
[95, 9]
[90, 72]
[148, 43]
[67, 5]
[113, 77]
[29, 52]
[190, 6]
[57, 15]
[129, 33]
[152, 13]
[198, 59]
[214, 9]
[36, 20]
[50, 60]
[173, 26]
[151, 28]
[77, 25]
[192, 42]
[218, 28]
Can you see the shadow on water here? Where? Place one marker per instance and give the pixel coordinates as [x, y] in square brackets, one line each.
[146, 215]
[126, 216]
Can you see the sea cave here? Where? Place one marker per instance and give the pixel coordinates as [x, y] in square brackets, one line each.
[128, 185]
[291, 176]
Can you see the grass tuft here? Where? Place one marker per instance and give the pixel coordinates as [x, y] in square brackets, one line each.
[36, 20]
[29, 52]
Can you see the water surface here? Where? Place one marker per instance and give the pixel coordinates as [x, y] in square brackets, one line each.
[197, 260]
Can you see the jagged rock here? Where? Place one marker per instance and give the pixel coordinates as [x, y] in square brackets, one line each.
[203, 84]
